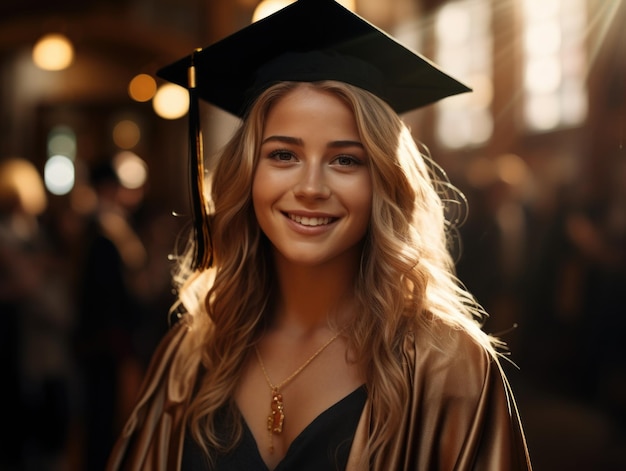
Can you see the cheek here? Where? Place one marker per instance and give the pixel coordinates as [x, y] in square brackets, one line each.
[362, 206]
[366, 198]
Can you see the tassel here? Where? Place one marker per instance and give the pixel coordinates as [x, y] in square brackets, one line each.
[203, 251]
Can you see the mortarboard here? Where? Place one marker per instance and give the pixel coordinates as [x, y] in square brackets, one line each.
[307, 41]
[342, 46]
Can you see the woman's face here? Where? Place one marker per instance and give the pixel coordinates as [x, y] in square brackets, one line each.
[312, 190]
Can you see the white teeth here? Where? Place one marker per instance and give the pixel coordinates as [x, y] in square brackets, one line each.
[309, 221]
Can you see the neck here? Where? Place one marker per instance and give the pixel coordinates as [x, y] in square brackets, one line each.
[310, 296]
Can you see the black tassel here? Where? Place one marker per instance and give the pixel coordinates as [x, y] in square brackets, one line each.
[203, 252]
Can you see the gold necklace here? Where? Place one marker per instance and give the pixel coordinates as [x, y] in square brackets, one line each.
[276, 418]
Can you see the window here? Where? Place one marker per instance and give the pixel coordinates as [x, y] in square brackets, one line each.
[555, 95]
[464, 43]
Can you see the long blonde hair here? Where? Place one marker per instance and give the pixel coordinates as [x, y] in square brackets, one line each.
[406, 277]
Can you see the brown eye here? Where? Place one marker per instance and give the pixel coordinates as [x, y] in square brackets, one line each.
[282, 155]
[347, 161]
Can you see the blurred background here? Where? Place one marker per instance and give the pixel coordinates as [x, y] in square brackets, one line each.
[93, 200]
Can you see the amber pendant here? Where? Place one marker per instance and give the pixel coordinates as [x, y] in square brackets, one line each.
[277, 416]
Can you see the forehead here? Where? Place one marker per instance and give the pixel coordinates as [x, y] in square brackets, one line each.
[309, 106]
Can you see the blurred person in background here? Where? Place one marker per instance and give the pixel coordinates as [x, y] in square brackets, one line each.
[109, 314]
[37, 321]
[597, 233]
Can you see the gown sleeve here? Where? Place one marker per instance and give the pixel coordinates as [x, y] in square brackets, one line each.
[461, 414]
[152, 438]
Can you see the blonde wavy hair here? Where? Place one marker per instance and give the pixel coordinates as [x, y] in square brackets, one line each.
[406, 278]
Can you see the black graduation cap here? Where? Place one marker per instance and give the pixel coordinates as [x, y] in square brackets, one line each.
[309, 40]
[312, 40]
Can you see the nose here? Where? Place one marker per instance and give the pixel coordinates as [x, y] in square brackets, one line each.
[312, 183]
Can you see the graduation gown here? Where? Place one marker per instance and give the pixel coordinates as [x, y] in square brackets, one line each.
[460, 414]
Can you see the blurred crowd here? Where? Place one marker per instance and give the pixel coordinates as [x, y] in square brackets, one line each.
[84, 300]
[549, 264]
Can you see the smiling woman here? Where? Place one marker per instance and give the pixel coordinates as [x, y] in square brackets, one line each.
[312, 188]
[322, 274]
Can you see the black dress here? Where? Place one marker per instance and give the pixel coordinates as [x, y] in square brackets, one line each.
[323, 445]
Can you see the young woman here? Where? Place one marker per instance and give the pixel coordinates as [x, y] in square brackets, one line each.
[325, 328]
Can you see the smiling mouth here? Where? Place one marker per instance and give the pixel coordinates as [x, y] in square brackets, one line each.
[313, 221]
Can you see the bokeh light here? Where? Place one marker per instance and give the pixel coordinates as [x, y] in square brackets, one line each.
[268, 7]
[142, 87]
[62, 141]
[53, 52]
[171, 101]
[20, 180]
[126, 134]
[59, 175]
[131, 169]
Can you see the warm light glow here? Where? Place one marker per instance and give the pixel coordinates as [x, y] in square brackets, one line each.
[349, 4]
[543, 111]
[131, 169]
[508, 168]
[453, 23]
[463, 49]
[20, 179]
[543, 38]
[543, 75]
[538, 10]
[454, 130]
[482, 126]
[482, 94]
[126, 134]
[555, 63]
[511, 169]
[53, 52]
[142, 88]
[574, 103]
[59, 175]
[268, 7]
[171, 101]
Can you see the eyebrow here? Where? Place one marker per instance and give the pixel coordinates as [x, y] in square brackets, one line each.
[285, 139]
[300, 142]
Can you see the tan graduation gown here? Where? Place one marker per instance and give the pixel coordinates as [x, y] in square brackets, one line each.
[460, 416]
